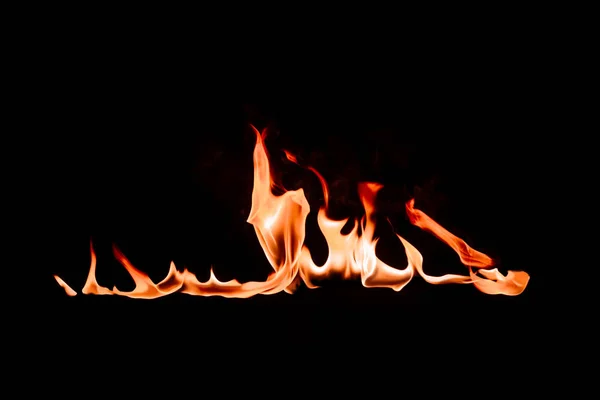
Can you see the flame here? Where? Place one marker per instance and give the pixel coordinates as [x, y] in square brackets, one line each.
[279, 223]
[492, 282]
[341, 247]
[91, 284]
[374, 272]
[353, 255]
[70, 292]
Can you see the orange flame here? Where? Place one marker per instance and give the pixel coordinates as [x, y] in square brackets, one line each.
[279, 222]
[493, 282]
[70, 292]
[353, 255]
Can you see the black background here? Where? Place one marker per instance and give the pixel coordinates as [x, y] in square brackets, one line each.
[165, 179]
[154, 154]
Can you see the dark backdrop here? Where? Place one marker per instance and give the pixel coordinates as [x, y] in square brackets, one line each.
[167, 176]
[159, 162]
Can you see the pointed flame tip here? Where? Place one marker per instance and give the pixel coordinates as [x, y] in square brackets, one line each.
[68, 290]
[259, 134]
[256, 132]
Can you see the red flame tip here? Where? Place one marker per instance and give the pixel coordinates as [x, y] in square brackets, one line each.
[291, 157]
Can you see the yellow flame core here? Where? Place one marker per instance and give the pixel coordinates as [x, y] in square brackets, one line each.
[279, 223]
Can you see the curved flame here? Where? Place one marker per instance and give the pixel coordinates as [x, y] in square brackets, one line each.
[492, 282]
[70, 292]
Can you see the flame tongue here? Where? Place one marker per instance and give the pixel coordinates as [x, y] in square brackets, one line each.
[91, 284]
[512, 284]
[340, 261]
[468, 256]
[493, 282]
[374, 272]
[68, 290]
[144, 287]
[353, 255]
[279, 223]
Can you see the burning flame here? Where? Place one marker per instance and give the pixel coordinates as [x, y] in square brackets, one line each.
[494, 283]
[70, 292]
[279, 222]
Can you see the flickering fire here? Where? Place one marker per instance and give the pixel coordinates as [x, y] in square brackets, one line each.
[279, 222]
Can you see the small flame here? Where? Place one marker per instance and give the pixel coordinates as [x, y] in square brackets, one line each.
[70, 292]
[279, 223]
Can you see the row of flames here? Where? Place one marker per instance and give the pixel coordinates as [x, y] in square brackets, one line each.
[279, 222]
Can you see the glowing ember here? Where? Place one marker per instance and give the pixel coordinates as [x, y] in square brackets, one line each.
[279, 223]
